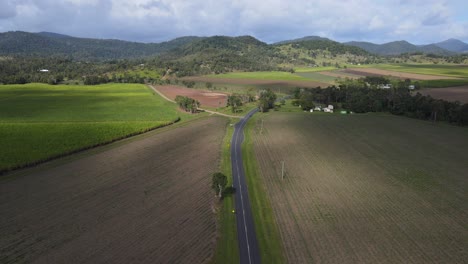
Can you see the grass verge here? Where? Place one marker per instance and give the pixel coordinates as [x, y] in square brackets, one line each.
[227, 249]
[265, 224]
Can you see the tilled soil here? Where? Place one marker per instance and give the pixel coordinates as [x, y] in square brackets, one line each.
[146, 201]
[459, 93]
[365, 189]
[204, 97]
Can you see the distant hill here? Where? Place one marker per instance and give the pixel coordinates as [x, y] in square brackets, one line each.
[398, 47]
[49, 44]
[301, 40]
[454, 45]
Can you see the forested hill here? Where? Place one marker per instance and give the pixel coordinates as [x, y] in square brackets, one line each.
[398, 47]
[47, 44]
[325, 44]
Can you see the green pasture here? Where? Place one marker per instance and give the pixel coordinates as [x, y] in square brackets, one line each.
[459, 71]
[316, 76]
[271, 75]
[313, 69]
[39, 121]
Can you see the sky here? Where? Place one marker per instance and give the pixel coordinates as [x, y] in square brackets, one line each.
[378, 21]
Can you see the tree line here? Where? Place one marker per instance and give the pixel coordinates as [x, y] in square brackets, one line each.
[398, 100]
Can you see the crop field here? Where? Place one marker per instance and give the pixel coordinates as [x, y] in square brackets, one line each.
[38, 121]
[340, 74]
[273, 75]
[145, 200]
[260, 83]
[369, 188]
[318, 76]
[395, 74]
[460, 71]
[459, 93]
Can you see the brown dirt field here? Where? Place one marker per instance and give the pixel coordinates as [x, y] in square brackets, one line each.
[205, 98]
[339, 74]
[146, 201]
[400, 75]
[365, 188]
[459, 93]
[311, 84]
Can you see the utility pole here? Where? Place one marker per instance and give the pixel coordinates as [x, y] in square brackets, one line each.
[282, 170]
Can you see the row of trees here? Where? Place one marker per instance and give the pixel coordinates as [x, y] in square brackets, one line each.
[187, 104]
[397, 100]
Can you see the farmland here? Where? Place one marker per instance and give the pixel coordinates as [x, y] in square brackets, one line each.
[459, 93]
[460, 71]
[39, 121]
[206, 98]
[368, 188]
[146, 199]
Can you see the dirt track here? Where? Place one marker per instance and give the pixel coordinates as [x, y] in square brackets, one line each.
[459, 93]
[400, 75]
[146, 201]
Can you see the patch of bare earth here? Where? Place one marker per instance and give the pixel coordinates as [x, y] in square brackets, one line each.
[205, 98]
[289, 83]
[365, 189]
[145, 201]
[459, 93]
[396, 74]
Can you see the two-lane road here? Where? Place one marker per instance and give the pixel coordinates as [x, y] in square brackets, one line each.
[248, 247]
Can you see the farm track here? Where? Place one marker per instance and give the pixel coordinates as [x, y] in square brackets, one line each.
[350, 193]
[147, 201]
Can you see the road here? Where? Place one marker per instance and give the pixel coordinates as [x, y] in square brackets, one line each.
[248, 247]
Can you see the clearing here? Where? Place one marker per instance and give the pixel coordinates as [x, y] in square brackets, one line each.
[39, 122]
[260, 81]
[145, 200]
[205, 98]
[370, 188]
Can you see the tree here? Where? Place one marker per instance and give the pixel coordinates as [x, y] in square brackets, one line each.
[234, 101]
[218, 183]
[266, 100]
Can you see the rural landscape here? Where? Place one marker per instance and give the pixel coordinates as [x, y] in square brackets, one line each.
[224, 147]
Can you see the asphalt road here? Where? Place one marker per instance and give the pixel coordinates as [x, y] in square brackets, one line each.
[248, 247]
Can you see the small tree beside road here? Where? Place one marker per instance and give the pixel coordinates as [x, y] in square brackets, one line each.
[219, 182]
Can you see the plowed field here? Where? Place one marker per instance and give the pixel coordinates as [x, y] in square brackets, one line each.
[205, 98]
[146, 201]
[459, 93]
[365, 188]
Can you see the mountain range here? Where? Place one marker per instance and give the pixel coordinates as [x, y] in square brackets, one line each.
[247, 47]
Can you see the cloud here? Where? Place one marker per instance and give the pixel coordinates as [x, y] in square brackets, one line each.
[274, 20]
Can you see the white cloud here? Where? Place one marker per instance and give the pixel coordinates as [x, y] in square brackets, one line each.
[158, 20]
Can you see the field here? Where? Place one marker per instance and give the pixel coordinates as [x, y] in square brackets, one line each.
[206, 98]
[395, 74]
[459, 93]
[144, 200]
[368, 188]
[260, 81]
[38, 121]
[460, 71]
